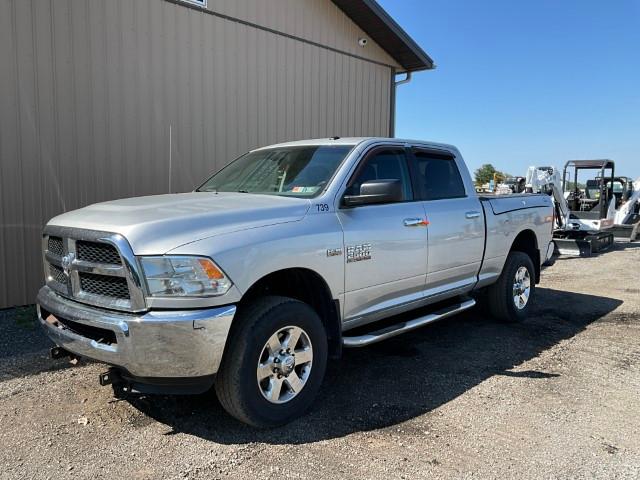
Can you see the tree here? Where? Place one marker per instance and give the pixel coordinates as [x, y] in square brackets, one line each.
[485, 173]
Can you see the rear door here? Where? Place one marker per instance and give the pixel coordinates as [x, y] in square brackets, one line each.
[385, 244]
[456, 222]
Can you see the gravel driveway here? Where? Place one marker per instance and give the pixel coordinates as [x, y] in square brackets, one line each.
[555, 397]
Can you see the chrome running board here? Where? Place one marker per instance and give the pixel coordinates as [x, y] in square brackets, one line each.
[407, 326]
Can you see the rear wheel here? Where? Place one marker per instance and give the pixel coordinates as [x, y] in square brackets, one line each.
[274, 363]
[509, 299]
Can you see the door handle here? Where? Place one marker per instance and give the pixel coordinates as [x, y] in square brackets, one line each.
[472, 214]
[415, 222]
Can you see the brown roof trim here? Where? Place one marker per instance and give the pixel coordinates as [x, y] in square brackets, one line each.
[386, 32]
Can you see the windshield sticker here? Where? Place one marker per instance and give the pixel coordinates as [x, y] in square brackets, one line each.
[305, 189]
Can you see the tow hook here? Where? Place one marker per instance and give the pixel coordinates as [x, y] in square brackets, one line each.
[110, 377]
[121, 388]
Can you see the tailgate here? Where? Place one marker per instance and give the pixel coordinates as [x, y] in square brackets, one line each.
[509, 203]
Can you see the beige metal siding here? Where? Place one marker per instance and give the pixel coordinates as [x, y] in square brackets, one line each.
[90, 90]
[319, 21]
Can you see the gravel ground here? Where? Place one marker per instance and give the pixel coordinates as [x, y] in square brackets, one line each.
[554, 397]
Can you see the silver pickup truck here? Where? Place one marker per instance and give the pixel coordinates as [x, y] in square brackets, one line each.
[256, 279]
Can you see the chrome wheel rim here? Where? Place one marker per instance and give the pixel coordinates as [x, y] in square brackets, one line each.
[521, 288]
[285, 364]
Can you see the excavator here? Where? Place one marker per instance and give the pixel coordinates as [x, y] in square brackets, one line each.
[589, 216]
[627, 219]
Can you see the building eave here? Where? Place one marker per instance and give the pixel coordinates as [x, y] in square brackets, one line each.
[386, 32]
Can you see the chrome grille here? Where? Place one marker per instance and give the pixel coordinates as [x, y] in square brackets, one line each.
[97, 253]
[115, 287]
[96, 268]
[55, 246]
[57, 275]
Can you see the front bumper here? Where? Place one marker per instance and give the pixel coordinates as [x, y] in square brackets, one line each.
[157, 344]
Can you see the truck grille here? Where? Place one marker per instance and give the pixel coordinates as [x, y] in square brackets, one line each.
[115, 287]
[55, 246]
[57, 274]
[97, 253]
[90, 267]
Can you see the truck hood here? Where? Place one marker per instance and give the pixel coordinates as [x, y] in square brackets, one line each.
[154, 225]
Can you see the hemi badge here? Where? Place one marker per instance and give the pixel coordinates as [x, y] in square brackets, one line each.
[334, 252]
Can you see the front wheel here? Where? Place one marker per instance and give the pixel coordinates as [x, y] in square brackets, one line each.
[509, 299]
[275, 362]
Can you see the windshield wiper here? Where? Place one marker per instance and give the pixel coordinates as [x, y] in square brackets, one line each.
[243, 191]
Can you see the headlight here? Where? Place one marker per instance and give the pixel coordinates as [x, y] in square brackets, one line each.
[184, 276]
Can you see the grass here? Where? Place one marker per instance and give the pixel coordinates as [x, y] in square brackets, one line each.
[24, 317]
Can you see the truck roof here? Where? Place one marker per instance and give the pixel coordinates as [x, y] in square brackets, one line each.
[353, 141]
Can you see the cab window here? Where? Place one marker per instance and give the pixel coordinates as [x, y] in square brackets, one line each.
[387, 164]
[438, 176]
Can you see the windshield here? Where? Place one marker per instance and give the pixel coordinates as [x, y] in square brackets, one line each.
[291, 171]
[617, 186]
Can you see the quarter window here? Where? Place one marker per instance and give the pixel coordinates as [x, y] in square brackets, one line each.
[438, 176]
[383, 165]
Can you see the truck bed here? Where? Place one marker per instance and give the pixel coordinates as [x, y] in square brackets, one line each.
[507, 203]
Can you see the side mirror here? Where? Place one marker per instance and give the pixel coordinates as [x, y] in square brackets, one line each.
[376, 191]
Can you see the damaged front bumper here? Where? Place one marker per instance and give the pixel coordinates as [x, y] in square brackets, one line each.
[154, 347]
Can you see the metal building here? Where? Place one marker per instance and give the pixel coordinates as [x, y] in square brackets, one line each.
[108, 99]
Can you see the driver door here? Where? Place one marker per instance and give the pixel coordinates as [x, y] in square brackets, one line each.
[385, 245]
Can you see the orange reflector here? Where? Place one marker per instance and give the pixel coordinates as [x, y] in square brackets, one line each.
[210, 269]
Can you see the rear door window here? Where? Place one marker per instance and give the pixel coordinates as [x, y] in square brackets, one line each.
[437, 176]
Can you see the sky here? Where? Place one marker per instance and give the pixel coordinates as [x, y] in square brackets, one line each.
[522, 83]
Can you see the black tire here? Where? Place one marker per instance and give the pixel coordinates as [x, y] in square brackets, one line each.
[500, 297]
[482, 301]
[236, 382]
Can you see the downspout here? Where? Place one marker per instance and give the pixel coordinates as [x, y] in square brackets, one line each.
[394, 85]
[406, 79]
